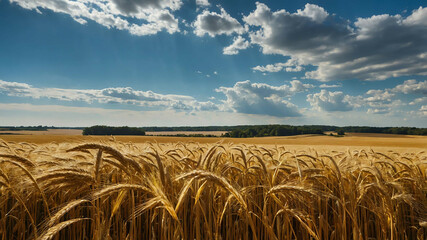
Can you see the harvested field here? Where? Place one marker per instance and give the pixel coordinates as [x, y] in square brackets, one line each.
[121, 190]
[77, 132]
[168, 133]
[47, 132]
[352, 139]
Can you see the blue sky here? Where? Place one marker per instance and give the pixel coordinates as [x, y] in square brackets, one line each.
[206, 62]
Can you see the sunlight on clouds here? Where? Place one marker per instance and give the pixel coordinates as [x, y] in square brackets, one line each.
[292, 65]
[239, 43]
[213, 24]
[124, 95]
[156, 14]
[14, 114]
[260, 98]
[376, 48]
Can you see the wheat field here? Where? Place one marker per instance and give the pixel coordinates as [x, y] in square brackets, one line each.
[116, 190]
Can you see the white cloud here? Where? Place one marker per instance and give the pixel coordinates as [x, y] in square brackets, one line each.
[384, 100]
[385, 96]
[239, 43]
[298, 86]
[331, 101]
[421, 100]
[380, 101]
[203, 3]
[374, 48]
[17, 114]
[261, 98]
[378, 110]
[411, 87]
[119, 95]
[291, 65]
[13, 88]
[418, 17]
[318, 14]
[379, 96]
[155, 15]
[213, 24]
[377, 101]
[330, 86]
[158, 21]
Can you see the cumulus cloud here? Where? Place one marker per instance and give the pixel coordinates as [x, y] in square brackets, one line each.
[418, 17]
[298, 86]
[213, 24]
[239, 43]
[411, 87]
[202, 3]
[379, 96]
[261, 98]
[331, 101]
[384, 100]
[318, 14]
[155, 15]
[291, 65]
[380, 101]
[244, 97]
[373, 48]
[136, 6]
[119, 95]
[422, 100]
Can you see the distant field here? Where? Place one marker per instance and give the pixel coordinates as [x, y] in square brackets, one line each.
[79, 132]
[48, 132]
[351, 139]
[168, 133]
[359, 186]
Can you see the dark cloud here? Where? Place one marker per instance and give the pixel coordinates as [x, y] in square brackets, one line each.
[213, 23]
[134, 6]
[372, 48]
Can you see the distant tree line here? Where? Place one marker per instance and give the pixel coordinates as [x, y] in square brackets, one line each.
[386, 130]
[243, 131]
[295, 130]
[287, 130]
[34, 128]
[233, 131]
[272, 130]
[24, 128]
[184, 135]
[107, 130]
[189, 129]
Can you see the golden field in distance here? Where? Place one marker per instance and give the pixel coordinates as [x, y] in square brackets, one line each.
[360, 186]
[317, 141]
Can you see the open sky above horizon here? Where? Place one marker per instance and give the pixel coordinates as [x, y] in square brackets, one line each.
[208, 62]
